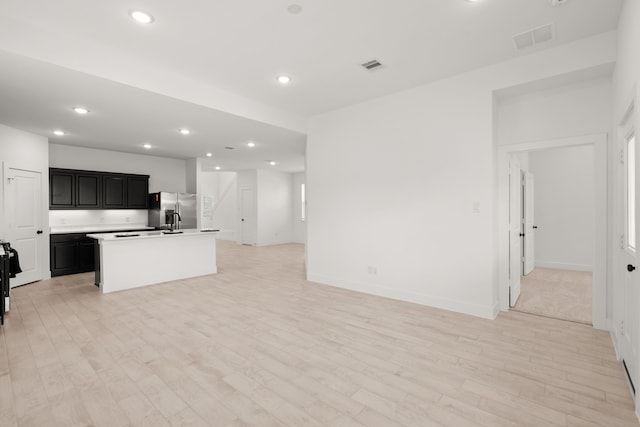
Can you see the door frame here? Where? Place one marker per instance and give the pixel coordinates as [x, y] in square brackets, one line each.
[45, 271]
[600, 156]
[629, 121]
[515, 230]
[528, 227]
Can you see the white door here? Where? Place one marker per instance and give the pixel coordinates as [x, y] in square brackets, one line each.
[247, 217]
[515, 230]
[630, 282]
[527, 223]
[24, 217]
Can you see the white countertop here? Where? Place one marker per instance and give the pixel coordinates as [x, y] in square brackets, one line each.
[64, 229]
[155, 234]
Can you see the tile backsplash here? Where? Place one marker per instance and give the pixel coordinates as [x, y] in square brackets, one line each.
[64, 218]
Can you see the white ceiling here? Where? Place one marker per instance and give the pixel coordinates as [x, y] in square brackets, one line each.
[215, 57]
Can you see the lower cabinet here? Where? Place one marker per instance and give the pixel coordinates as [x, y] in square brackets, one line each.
[71, 253]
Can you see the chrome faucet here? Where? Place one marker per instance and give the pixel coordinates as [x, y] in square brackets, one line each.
[169, 218]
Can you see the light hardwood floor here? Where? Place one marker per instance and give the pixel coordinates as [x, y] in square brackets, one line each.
[257, 345]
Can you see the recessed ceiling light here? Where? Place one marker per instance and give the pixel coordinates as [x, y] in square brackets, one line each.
[184, 131]
[472, 1]
[284, 79]
[272, 163]
[147, 146]
[217, 168]
[209, 154]
[80, 110]
[251, 144]
[58, 132]
[141, 16]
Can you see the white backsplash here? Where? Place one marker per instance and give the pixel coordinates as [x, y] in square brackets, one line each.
[128, 217]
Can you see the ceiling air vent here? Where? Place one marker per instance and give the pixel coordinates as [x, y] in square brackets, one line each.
[229, 148]
[534, 37]
[374, 64]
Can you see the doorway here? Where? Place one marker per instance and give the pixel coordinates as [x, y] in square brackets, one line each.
[557, 248]
[597, 248]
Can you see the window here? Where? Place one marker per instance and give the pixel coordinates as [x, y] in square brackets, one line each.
[303, 204]
[631, 192]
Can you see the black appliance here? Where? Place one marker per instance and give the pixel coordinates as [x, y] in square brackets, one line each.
[5, 272]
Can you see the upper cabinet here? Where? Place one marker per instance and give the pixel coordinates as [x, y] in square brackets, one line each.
[88, 194]
[115, 191]
[137, 192]
[76, 189]
[62, 189]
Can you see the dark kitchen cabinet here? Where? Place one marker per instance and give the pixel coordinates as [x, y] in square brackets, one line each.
[115, 191]
[71, 253]
[88, 190]
[61, 189]
[137, 192]
[77, 189]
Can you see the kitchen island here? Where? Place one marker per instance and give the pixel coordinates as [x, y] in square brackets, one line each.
[131, 260]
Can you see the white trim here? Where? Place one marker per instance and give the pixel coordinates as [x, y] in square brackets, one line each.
[563, 266]
[44, 261]
[487, 312]
[599, 142]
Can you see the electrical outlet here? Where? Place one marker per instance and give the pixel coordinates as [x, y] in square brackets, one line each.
[372, 270]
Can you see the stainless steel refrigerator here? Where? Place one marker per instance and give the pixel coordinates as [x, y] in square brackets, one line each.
[162, 204]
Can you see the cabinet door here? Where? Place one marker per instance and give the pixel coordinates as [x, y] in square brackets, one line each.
[86, 255]
[114, 194]
[88, 190]
[137, 192]
[61, 189]
[63, 258]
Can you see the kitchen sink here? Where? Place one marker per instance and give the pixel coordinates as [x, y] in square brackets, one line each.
[127, 235]
[172, 232]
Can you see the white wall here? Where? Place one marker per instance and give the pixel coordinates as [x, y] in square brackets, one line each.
[564, 207]
[222, 188]
[27, 151]
[192, 170]
[571, 110]
[165, 174]
[299, 226]
[393, 213]
[275, 207]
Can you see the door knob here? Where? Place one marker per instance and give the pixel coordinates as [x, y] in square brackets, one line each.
[535, 227]
[242, 219]
[39, 232]
[521, 234]
[630, 267]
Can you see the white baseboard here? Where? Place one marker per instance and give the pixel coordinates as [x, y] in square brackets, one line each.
[486, 312]
[563, 266]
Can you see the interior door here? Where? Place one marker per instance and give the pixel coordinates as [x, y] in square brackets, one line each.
[527, 224]
[247, 217]
[630, 281]
[515, 230]
[23, 206]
